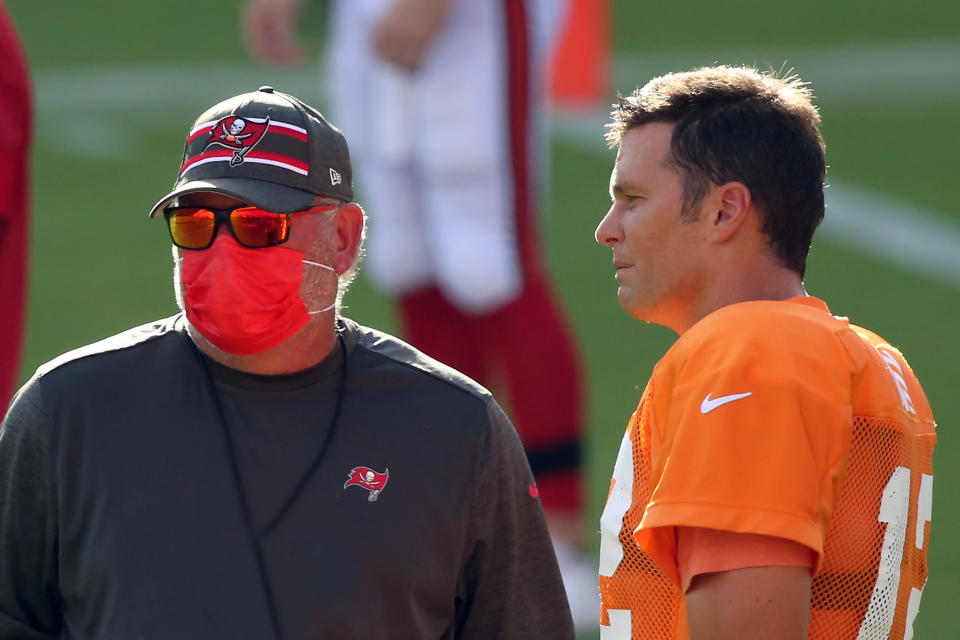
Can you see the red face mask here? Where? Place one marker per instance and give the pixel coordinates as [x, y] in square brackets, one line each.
[243, 300]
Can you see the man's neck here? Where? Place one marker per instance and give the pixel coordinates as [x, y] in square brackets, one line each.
[779, 284]
[305, 349]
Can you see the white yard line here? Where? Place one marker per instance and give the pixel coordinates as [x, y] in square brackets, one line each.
[889, 75]
[917, 239]
[899, 232]
[97, 111]
[895, 231]
[158, 88]
[874, 76]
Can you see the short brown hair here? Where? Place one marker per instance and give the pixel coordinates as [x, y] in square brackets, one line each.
[740, 124]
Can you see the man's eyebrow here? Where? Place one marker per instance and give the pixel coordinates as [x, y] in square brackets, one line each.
[620, 188]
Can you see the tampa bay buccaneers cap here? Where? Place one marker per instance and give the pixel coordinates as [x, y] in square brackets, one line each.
[266, 148]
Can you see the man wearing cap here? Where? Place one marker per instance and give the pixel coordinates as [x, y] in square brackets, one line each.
[443, 102]
[259, 466]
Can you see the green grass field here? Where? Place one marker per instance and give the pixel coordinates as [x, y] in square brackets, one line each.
[119, 82]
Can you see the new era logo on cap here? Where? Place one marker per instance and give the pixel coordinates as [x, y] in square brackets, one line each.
[266, 148]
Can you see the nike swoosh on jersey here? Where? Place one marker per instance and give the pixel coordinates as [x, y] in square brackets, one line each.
[709, 404]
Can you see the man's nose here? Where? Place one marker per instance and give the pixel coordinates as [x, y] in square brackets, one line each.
[608, 231]
[223, 229]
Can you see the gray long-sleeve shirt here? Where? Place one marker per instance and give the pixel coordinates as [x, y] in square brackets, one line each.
[120, 516]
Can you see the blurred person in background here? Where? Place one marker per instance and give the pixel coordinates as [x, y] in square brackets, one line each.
[776, 479]
[444, 104]
[15, 128]
[259, 466]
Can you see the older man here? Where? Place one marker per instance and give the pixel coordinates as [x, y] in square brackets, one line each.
[258, 466]
[443, 102]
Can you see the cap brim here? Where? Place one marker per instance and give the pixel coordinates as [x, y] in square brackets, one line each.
[266, 195]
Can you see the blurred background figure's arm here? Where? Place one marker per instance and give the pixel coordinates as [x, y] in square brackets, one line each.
[407, 29]
[270, 32]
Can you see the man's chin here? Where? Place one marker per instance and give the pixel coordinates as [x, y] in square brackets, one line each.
[628, 301]
[634, 308]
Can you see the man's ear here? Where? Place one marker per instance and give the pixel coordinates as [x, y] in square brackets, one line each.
[730, 204]
[348, 231]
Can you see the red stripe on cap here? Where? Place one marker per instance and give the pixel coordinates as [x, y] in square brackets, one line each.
[288, 130]
[210, 153]
[252, 155]
[276, 157]
[275, 127]
[200, 131]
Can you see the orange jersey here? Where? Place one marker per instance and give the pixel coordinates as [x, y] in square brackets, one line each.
[775, 418]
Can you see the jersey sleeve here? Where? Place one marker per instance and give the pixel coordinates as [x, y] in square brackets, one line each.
[751, 430]
[510, 585]
[701, 550]
[29, 597]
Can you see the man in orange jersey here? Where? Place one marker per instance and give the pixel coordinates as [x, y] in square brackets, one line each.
[776, 478]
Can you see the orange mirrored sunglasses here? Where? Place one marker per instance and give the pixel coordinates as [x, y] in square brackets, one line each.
[252, 227]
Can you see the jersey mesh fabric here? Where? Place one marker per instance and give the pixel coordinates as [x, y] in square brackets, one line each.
[639, 582]
[854, 498]
[844, 587]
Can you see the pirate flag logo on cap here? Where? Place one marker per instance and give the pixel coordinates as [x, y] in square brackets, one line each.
[239, 134]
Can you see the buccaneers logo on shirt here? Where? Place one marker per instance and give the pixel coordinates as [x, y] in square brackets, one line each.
[238, 134]
[369, 479]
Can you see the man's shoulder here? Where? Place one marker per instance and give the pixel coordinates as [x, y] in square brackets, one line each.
[122, 342]
[793, 323]
[764, 330]
[795, 326]
[805, 313]
[388, 354]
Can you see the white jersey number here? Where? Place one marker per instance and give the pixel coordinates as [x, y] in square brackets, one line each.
[895, 513]
[611, 522]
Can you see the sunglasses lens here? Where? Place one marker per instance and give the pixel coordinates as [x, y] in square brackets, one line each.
[257, 228]
[191, 228]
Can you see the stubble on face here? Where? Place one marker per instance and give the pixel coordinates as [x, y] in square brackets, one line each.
[319, 287]
[655, 247]
[177, 282]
